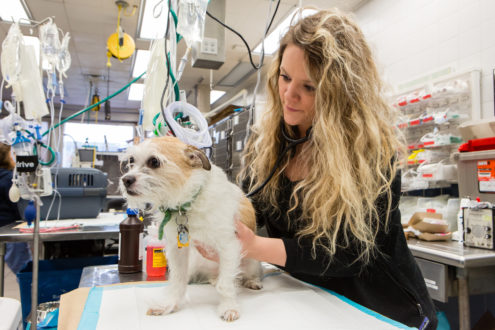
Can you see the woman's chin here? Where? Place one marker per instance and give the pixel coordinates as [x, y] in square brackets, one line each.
[292, 120]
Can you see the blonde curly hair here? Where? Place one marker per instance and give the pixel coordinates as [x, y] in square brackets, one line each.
[351, 151]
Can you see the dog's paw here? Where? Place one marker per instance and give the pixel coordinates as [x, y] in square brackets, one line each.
[155, 312]
[161, 310]
[230, 315]
[252, 283]
[228, 310]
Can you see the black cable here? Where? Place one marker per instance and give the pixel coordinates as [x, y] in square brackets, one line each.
[242, 38]
[290, 144]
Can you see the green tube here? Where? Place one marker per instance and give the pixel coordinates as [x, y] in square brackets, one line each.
[93, 105]
[52, 159]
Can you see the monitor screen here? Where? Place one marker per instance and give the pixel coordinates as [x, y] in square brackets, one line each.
[86, 155]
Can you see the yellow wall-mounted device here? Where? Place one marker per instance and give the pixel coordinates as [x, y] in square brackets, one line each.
[120, 45]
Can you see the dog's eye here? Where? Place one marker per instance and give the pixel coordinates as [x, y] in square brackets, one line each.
[131, 160]
[153, 162]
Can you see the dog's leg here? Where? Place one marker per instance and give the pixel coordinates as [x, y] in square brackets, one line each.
[229, 256]
[251, 274]
[177, 278]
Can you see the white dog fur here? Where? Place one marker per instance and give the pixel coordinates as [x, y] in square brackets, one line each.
[167, 173]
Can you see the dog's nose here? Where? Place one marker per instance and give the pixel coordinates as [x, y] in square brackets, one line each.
[128, 180]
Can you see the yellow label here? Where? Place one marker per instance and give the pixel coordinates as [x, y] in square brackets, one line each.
[159, 258]
[184, 243]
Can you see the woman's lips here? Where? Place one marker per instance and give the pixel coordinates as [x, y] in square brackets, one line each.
[290, 109]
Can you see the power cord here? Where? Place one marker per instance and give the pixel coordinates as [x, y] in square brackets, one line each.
[242, 38]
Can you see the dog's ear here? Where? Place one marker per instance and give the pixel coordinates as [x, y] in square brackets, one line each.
[197, 158]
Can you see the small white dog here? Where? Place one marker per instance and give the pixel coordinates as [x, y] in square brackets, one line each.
[194, 201]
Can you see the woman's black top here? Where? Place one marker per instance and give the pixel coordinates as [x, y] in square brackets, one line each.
[391, 284]
[8, 210]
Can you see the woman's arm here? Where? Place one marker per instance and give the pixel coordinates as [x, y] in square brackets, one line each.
[271, 250]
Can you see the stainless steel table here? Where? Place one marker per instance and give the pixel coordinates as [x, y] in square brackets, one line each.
[109, 274]
[9, 234]
[452, 269]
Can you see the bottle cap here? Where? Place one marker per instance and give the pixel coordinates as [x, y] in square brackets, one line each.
[132, 211]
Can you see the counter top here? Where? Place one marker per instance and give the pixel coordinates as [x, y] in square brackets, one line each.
[452, 253]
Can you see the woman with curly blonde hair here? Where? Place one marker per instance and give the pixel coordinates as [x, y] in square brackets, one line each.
[331, 207]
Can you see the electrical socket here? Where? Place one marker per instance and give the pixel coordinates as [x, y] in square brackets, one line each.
[209, 46]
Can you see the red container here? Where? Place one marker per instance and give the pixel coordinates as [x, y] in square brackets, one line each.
[156, 263]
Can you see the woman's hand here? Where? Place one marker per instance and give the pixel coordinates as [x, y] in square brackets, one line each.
[247, 238]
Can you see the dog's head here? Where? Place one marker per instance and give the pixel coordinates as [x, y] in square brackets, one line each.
[163, 171]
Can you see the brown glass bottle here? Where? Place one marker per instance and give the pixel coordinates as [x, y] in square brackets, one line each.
[131, 244]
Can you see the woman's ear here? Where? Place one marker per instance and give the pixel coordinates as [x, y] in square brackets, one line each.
[196, 158]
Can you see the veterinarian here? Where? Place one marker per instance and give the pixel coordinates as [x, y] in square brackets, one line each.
[17, 254]
[331, 207]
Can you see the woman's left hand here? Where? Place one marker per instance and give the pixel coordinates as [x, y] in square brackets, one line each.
[247, 238]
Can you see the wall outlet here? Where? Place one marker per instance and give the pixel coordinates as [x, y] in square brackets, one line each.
[209, 46]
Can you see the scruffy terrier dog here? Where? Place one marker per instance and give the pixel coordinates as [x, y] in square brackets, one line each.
[194, 202]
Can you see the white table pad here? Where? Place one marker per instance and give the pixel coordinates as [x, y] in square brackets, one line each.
[283, 303]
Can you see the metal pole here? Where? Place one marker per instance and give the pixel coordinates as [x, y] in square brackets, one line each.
[463, 292]
[2, 265]
[34, 284]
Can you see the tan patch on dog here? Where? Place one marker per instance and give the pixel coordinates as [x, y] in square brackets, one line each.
[174, 149]
[247, 214]
[186, 157]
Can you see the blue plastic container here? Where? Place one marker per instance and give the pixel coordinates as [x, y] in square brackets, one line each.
[55, 278]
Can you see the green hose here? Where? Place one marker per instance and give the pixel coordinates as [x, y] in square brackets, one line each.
[93, 105]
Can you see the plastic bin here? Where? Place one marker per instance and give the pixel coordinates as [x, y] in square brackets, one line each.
[83, 194]
[476, 171]
[55, 277]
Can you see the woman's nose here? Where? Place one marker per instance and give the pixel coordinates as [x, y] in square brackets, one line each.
[291, 92]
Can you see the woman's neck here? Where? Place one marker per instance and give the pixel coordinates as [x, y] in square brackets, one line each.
[297, 169]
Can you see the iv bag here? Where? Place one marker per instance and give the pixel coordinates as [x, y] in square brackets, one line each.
[31, 85]
[191, 18]
[11, 55]
[49, 43]
[154, 83]
[64, 59]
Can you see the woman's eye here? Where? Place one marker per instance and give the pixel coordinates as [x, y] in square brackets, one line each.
[285, 77]
[310, 88]
[153, 162]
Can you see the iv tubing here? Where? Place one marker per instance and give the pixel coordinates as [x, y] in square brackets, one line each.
[94, 105]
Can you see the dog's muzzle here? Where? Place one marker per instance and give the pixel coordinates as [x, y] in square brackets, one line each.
[128, 181]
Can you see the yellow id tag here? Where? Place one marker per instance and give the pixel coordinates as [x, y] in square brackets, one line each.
[182, 236]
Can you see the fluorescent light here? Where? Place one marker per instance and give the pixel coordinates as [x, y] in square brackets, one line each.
[12, 10]
[151, 27]
[273, 39]
[141, 62]
[215, 95]
[136, 92]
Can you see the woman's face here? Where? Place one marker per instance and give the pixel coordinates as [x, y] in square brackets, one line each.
[296, 90]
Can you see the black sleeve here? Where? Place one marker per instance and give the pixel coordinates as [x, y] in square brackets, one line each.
[343, 264]
[8, 210]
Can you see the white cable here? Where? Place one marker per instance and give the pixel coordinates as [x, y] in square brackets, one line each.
[182, 63]
[200, 138]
